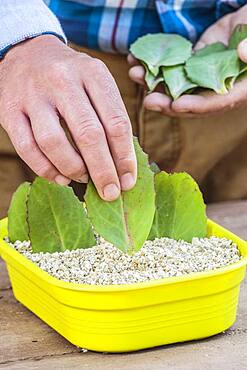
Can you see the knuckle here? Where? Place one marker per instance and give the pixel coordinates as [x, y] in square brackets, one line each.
[76, 171]
[89, 134]
[96, 66]
[119, 126]
[24, 146]
[103, 177]
[126, 162]
[48, 142]
[8, 104]
[57, 69]
[58, 73]
[44, 170]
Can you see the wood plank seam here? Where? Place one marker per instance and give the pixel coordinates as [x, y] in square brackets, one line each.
[39, 358]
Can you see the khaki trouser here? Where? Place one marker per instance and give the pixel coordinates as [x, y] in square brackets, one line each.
[213, 150]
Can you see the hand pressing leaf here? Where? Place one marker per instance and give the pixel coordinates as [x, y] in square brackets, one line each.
[210, 49]
[180, 209]
[161, 50]
[125, 222]
[57, 219]
[17, 214]
[177, 80]
[211, 71]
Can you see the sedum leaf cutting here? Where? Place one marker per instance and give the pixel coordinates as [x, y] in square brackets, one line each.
[125, 222]
[212, 70]
[210, 49]
[57, 219]
[238, 35]
[51, 216]
[161, 50]
[180, 209]
[151, 80]
[168, 58]
[17, 214]
[177, 80]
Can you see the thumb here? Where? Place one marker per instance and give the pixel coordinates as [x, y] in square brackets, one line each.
[242, 50]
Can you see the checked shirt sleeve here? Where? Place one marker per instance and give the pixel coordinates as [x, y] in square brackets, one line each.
[24, 19]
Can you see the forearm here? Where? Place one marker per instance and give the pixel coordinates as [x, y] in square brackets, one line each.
[23, 19]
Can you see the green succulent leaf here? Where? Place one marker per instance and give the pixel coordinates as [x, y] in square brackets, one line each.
[242, 75]
[125, 222]
[210, 49]
[161, 50]
[17, 214]
[238, 35]
[57, 219]
[211, 71]
[151, 80]
[180, 209]
[243, 69]
[177, 80]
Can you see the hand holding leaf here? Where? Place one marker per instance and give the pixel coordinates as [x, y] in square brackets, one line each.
[54, 220]
[204, 103]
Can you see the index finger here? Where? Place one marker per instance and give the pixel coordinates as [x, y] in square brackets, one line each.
[106, 100]
[89, 136]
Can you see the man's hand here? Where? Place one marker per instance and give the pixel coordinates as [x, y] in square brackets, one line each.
[42, 80]
[206, 103]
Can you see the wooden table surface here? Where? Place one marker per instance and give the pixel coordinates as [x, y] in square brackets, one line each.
[27, 343]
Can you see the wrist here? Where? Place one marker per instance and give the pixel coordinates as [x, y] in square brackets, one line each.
[23, 48]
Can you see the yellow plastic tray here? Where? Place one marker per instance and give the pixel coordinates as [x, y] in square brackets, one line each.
[124, 318]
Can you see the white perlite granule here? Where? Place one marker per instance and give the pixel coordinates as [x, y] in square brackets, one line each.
[105, 265]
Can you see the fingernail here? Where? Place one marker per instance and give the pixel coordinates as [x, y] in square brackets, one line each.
[83, 179]
[111, 192]
[62, 180]
[127, 181]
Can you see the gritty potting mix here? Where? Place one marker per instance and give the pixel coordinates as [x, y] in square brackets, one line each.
[105, 264]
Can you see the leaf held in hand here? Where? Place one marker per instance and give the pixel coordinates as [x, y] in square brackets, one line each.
[17, 214]
[177, 80]
[152, 81]
[211, 71]
[210, 49]
[161, 50]
[57, 219]
[238, 35]
[125, 222]
[180, 209]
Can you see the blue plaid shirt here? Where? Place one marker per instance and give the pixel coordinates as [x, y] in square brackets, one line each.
[112, 25]
[109, 25]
